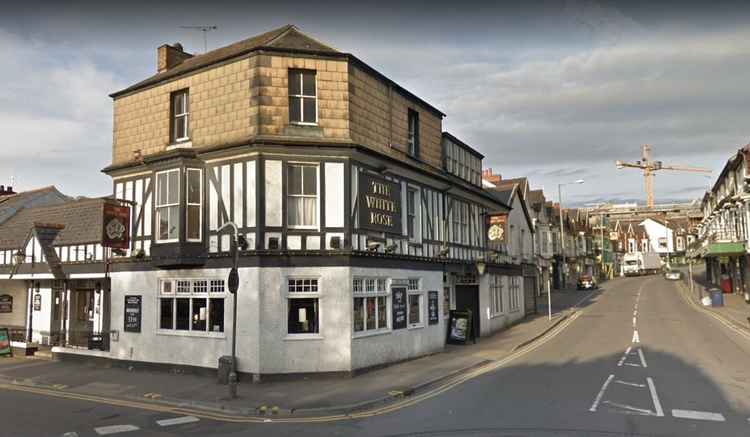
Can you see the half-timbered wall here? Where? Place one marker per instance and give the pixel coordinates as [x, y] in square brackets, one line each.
[138, 191]
[230, 196]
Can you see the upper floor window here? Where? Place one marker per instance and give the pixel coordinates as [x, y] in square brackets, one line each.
[413, 139]
[194, 199]
[411, 212]
[302, 195]
[303, 106]
[168, 206]
[180, 115]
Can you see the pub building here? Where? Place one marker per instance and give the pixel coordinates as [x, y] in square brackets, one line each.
[365, 223]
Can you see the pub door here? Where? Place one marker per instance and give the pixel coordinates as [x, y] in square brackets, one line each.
[81, 323]
[467, 298]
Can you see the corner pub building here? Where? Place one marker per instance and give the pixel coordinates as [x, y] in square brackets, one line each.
[365, 222]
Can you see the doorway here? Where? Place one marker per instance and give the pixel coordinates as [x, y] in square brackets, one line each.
[81, 324]
[529, 290]
[467, 298]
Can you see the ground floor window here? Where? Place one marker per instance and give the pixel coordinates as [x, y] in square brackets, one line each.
[189, 305]
[415, 302]
[303, 298]
[514, 295]
[447, 306]
[496, 295]
[370, 311]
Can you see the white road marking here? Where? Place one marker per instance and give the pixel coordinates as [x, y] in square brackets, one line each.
[601, 393]
[698, 415]
[643, 359]
[654, 397]
[633, 322]
[177, 421]
[629, 408]
[115, 429]
[633, 365]
[632, 384]
[624, 356]
[70, 434]
[635, 337]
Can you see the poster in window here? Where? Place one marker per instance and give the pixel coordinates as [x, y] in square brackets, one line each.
[460, 327]
[115, 226]
[399, 307]
[5, 348]
[132, 314]
[6, 303]
[433, 311]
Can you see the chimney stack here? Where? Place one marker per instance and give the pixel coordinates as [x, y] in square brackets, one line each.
[6, 191]
[170, 56]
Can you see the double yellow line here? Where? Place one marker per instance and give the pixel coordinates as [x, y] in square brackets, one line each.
[406, 402]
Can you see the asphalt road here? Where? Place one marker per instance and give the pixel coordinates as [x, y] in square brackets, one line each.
[682, 374]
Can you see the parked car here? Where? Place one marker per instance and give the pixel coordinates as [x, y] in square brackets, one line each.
[673, 275]
[586, 282]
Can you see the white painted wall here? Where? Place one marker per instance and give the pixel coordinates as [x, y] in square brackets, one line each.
[17, 290]
[273, 193]
[489, 323]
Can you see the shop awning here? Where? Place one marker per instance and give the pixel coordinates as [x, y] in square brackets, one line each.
[725, 249]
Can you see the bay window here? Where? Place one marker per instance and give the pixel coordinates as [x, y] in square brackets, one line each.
[194, 198]
[411, 213]
[192, 305]
[302, 195]
[168, 206]
[370, 304]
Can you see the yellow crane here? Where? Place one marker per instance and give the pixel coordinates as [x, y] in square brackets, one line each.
[650, 166]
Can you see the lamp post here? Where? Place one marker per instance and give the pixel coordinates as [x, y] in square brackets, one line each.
[562, 229]
[233, 283]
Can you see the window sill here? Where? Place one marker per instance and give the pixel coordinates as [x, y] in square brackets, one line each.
[496, 316]
[303, 337]
[413, 327]
[184, 144]
[214, 335]
[373, 333]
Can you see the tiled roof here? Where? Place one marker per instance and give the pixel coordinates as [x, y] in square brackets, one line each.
[287, 37]
[82, 220]
[12, 204]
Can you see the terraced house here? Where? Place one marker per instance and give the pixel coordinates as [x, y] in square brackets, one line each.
[365, 222]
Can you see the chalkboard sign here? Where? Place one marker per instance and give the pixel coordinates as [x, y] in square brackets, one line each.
[433, 311]
[399, 307]
[460, 327]
[37, 302]
[132, 314]
[5, 349]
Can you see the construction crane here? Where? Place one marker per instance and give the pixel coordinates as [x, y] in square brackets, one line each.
[649, 166]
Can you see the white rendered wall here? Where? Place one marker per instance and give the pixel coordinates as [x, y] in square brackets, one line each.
[17, 290]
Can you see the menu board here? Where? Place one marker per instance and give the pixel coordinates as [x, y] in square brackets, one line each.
[37, 302]
[6, 303]
[433, 312]
[5, 349]
[399, 307]
[132, 314]
[460, 327]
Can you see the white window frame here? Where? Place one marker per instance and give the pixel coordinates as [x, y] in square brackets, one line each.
[496, 296]
[317, 194]
[158, 206]
[191, 294]
[415, 237]
[412, 140]
[514, 294]
[302, 295]
[380, 290]
[185, 115]
[414, 288]
[302, 96]
[188, 205]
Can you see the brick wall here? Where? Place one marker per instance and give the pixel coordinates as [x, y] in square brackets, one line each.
[377, 120]
[220, 111]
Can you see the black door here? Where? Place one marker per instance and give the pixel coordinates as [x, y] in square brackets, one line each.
[529, 294]
[467, 298]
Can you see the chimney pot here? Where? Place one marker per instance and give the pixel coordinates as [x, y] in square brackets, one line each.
[169, 56]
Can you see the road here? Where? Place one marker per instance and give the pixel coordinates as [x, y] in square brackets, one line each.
[637, 361]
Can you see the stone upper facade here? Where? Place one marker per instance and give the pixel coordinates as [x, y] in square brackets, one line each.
[243, 97]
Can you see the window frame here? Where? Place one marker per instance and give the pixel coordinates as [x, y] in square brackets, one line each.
[173, 139]
[412, 137]
[158, 206]
[514, 294]
[288, 295]
[191, 295]
[316, 165]
[188, 205]
[377, 292]
[497, 307]
[412, 215]
[302, 96]
[412, 290]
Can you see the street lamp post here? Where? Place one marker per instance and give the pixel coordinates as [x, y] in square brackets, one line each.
[562, 229]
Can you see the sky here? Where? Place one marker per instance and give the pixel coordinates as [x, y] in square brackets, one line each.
[554, 90]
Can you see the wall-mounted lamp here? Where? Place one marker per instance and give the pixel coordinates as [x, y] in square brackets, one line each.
[481, 266]
[391, 248]
[373, 246]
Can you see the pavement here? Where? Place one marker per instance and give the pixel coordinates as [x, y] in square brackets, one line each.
[638, 358]
[302, 396]
[735, 310]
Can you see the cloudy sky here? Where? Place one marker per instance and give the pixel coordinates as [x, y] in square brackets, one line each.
[555, 91]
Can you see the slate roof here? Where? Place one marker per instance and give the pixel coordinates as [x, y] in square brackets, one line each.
[82, 220]
[12, 204]
[503, 196]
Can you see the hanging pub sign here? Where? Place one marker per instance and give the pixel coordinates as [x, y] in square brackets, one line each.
[460, 327]
[497, 228]
[433, 313]
[6, 303]
[379, 204]
[399, 307]
[5, 347]
[132, 314]
[116, 226]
